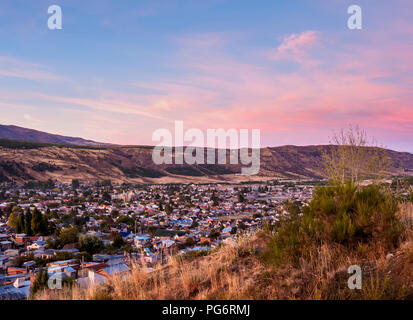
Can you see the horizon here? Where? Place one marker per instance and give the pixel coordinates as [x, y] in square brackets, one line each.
[108, 145]
[117, 72]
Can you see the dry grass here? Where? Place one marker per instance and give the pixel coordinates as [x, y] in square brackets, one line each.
[405, 215]
[226, 274]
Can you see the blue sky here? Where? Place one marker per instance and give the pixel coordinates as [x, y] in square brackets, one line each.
[121, 69]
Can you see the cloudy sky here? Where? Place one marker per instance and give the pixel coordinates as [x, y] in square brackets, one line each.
[121, 69]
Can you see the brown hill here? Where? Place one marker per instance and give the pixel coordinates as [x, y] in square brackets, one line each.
[24, 161]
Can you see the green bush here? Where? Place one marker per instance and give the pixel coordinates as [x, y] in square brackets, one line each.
[344, 214]
[90, 244]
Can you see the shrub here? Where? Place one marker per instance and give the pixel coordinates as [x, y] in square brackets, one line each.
[90, 244]
[342, 214]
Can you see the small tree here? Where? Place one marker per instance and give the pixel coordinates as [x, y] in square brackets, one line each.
[75, 184]
[106, 196]
[241, 197]
[117, 240]
[214, 234]
[14, 215]
[37, 221]
[68, 236]
[90, 244]
[20, 225]
[28, 222]
[40, 282]
[168, 208]
[352, 155]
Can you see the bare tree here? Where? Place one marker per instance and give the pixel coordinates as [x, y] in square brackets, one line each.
[352, 156]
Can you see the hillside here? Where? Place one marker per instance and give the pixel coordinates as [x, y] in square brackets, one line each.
[24, 134]
[24, 161]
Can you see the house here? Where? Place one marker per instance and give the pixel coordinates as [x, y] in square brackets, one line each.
[11, 253]
[204, 240]
[71, 250]
[4, 237]
[63, 263]
[46, 254]
[196, 249]
[114, 270]
[19, 290]
[22, 238]
[109, 259]
[100, 273]
[5, 244]
[15, 270]
[149, 257]
[168, 234]
[35, 246]
[3, 261]
[93, 278]
[29, 265]
[62, 272]
[141, 239]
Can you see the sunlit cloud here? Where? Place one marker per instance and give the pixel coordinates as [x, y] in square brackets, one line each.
[297, 46]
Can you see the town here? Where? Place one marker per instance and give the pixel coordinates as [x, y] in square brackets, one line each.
[87, 233]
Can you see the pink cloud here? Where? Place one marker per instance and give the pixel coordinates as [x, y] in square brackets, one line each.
[296, 46]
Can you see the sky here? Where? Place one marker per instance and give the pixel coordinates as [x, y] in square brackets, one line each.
[119, 70]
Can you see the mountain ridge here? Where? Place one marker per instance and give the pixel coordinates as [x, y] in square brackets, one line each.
[25, 134]
[22, 161]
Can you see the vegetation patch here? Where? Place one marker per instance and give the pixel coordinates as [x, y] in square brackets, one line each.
[185, 171]
[137, 172]
[43, 167]
[345, 215]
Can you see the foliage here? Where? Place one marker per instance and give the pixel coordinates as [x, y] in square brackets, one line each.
[168, 208]
[40, 282]
[117, 239]
[410, 196]
[42, 185]
[339, 214]
[90, 244]
[39, 223]
[241, 197]
[20, 224]
[352, 156]
[75, 184]
[28, 222]
[68, 236]
[214, 234]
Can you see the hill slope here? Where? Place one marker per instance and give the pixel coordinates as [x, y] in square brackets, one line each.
[24, 161]
[24, 134]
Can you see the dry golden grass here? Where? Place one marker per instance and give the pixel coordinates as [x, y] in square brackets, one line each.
[405, 214]
[226, 274]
